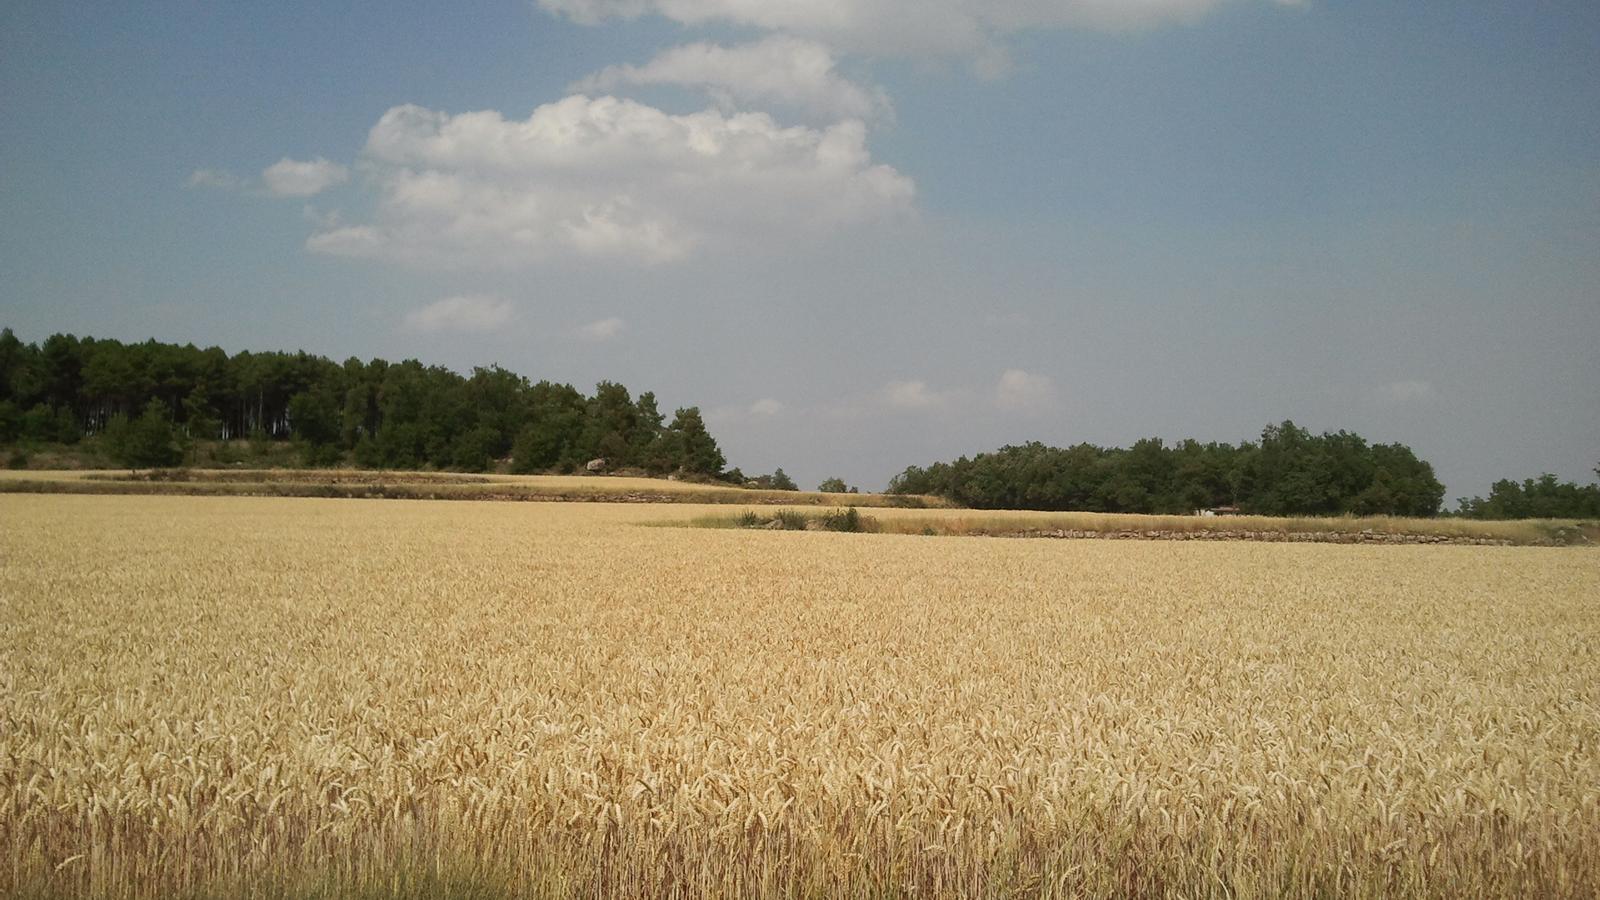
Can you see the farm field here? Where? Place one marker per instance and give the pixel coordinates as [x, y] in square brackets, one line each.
[374, 484]
[216, 696]
[1038, 524]
[905, 514]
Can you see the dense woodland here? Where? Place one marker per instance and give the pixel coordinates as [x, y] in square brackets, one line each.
[151, 400]
[1544, 497]
[1289, 472]
[152, 404]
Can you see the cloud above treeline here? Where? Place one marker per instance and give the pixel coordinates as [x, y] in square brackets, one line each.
[296, 178]
[284, 178]
[605, 178]
[599, 178]
[605, 329]
[1020, 391]
[1016, 392]
[782, 71]
[468, 314]
[973, 28]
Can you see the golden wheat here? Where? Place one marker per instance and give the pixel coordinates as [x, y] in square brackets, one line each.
[364, 483]
[232, 695]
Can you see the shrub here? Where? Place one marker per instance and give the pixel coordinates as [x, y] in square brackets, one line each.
[146, 442]
[851, 520]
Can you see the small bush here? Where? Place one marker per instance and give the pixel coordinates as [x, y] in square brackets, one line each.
[17, 460]
[851, 520]
[790, 520]
[748, 519]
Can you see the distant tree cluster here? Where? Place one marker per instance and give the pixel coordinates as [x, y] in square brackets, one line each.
[149, 400]
[1289, 472]
[1544, 497]
[836, 485]
[777, 481]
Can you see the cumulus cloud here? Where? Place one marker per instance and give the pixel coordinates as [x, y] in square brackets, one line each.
[467, 313]
[603, 329]
[1020, 391]
[607, 178]
[213, 178]
[297, 178]
[787, 71]
[902, 27]
[766, 407]
[911, 395]
[1409, 391]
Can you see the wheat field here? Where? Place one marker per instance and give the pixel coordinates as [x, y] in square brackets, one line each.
[215, 696]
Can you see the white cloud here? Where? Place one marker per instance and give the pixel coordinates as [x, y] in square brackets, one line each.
[766, 406]
[903, 27]
[1410, 391]
[904, 396]
[787, 71]
[1020, 391]
[606, 178]
[296, 178]
[911, 395]
[1016, 391]
[465, 313]
[602, 330]
[213, 178]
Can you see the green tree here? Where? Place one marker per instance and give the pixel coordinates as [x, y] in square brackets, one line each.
[10, 422]
[552, 438]
[697, 450]
[833, 486]
[400, 415]
[199, 417]
[610, 424]
[145, 442]
[477, 449]
[317, 421]
[1545, 497]
[646, 442]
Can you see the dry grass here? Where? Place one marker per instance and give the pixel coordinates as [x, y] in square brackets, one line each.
[222, 696]
[977, 523]
[372, 484]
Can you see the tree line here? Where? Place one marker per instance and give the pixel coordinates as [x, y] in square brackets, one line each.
[1290, 471]
[1545, 497]
[151, 403]
[149, 400]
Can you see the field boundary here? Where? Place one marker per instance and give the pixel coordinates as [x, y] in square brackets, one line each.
[1097, 526]
[364, 485]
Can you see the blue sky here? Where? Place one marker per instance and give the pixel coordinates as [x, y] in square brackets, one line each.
[860, 234]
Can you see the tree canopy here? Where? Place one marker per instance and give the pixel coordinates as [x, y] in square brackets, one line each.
[376, 413]
[1290, 471]
[1545, 497]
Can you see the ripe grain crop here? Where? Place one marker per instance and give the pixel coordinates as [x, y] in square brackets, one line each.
[1021, 523]
[229, 696]
[407, 485]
